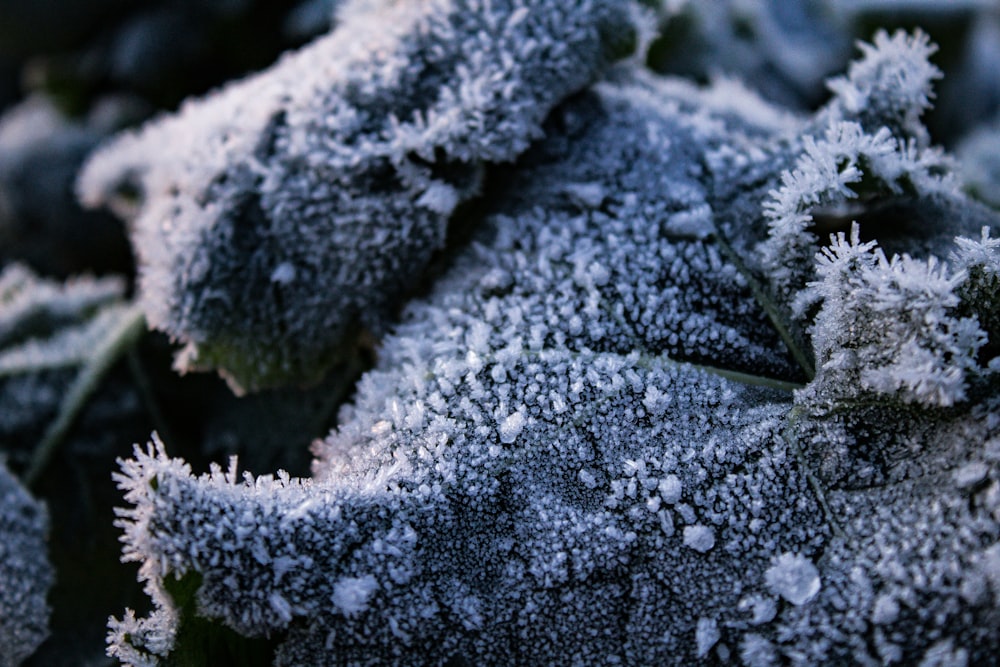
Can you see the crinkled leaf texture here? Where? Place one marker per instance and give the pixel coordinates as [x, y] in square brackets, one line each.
[286, 213]
[582, 448]
[25, 572]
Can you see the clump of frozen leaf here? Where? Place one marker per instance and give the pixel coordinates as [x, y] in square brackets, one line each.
[289, 211]
[34, 308]
[25, 573]
[546, 466]
[845, 168]
[891, 325]
[867, 148]
[980, 291]
[534, 472]
[904, 326]
[917, 498]
[891, 85]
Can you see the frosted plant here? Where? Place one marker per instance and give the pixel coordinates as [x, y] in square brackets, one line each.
[865, 149]
[890, 85]
[980, 291]
[283, 215]
[561, 456]
[25, 573]
[890, 325]
[845, 166]
[57, 342]
[30, 306]
[527, 437]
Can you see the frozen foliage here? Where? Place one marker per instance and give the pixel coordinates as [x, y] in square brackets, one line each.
[785, 49]
[46, 329]
[561, 456]
[890, 85]
[529, 476]
[914, 579]
[30, 306]
[25, 573]
[867, 145]
[892, 325]
[539, 472]
[897, 321]
[284, 214]
[830, 174]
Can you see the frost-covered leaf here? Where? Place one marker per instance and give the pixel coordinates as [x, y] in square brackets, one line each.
[286, 213]
[865, 151]
[66, 348]
[57, 342]
[846, 165]
[539, 389]
[890, 85]
[48, 326]
[35, 308]
[25, 573]
[561, 456]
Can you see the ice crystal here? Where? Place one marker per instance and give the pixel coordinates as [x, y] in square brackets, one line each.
[890, 85]
[794, 578]
[891, 325]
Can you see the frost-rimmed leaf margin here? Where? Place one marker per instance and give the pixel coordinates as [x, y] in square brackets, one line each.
[245, 210]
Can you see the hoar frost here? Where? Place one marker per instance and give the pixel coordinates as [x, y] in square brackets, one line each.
[561, 455]
[285, 213]
[794, 578]
[458, 487]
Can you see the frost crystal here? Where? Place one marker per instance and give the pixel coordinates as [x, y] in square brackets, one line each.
[794, 578]
[699, 538]
[350, 595]
[25, 573]
[891, 85]
[288, 211]
[891, 325]
[706, 636]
